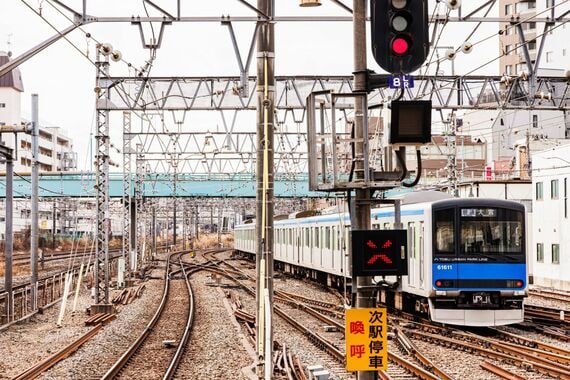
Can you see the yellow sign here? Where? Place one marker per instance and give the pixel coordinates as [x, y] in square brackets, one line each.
[44, 225]
[366, 339]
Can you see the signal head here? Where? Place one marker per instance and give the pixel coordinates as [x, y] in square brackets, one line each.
[400, 35]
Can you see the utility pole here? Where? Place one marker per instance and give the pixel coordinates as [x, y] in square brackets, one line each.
[364, 295]
[264, 191]
[34, 200]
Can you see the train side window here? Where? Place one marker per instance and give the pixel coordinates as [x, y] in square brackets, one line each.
[411, 240]
[307, 237]
[327, 238]
[387, 226]
[316, 237]
[555, 253]
[540, 252]
[538, 191]
[445, 231]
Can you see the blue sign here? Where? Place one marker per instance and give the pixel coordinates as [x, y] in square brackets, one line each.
[401, 81]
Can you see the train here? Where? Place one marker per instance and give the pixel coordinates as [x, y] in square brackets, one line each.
[467, 261]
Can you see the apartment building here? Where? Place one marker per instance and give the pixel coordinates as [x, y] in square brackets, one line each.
[513, 60]
[551, 217]
[55, 148]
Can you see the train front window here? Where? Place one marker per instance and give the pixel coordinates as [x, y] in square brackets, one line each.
[445, 231]
[493, 231]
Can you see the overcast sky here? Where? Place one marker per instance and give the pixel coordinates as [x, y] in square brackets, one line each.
[64, 79]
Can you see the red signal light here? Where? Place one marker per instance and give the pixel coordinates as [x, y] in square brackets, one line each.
[400, 46]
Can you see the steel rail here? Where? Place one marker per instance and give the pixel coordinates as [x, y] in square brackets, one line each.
[522, 340]
[130, 352]
[410, 346]
[511, 356]
[501, 372]
[550, 295]
[329, 347]
[411, 367]
[44, 365]
[175, 361]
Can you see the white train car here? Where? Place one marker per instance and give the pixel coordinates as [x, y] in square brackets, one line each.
[466, 257]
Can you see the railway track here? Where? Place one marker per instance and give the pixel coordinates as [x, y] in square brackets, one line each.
[550, 294]
[151, 356]
[520, 352]
[296, 305]
[547, 315]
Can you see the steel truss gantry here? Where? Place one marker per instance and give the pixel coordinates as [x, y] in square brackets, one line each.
[222, 93]
[127, 189]
[102, 188]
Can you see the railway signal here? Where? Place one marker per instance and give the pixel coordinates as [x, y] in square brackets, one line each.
[379, 253]
[400, 34]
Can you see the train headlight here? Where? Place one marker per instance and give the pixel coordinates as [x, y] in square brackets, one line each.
[438, 283]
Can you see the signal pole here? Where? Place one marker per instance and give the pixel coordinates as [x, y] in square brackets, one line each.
[364, 297]
[264, 188]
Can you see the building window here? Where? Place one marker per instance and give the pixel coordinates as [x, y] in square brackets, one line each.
[509, 70]
[508, 9]
[549, 56]
[564, 52]
[532, 45]
[555, 253]
[2, 105]
[548, 3]
[535, 121]
[566, 198]
[539, 191]
[554, 189]
[539, 252]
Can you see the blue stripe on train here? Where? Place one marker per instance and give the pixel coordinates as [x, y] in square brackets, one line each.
[478, 271]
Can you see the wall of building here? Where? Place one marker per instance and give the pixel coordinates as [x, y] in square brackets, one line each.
[513, 62]
[10, 106]
[551, 169]
[555, 55]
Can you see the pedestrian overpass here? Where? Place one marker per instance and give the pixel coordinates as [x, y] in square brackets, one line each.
[82, 185]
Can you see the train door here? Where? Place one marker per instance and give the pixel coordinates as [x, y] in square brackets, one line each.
[333, 248]
[444, 265]
[297, 247]
[421, 261]
[412, 258]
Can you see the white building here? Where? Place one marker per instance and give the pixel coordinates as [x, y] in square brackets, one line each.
[556, 53]
[55, 149]
[551, 237]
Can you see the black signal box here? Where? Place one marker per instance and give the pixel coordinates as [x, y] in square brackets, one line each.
[379, 253]
[410, 122]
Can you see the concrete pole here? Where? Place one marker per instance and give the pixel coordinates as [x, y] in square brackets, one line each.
[153, 229]
[264, 192]
[364, 296]
[219, 226]
[9, 236]
[196, 224]
[53, 227]
[34, 237]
